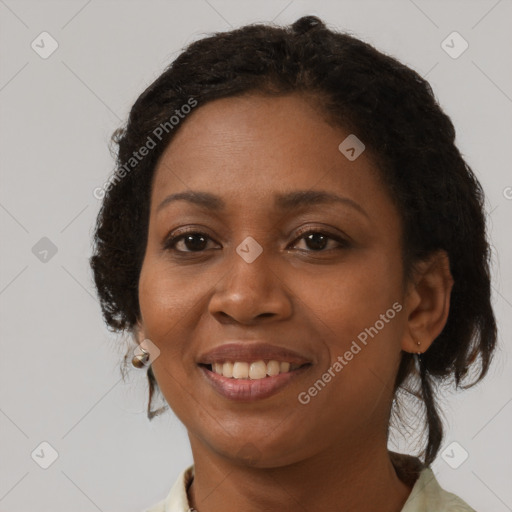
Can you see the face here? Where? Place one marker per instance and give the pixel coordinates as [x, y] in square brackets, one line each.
[258, 276]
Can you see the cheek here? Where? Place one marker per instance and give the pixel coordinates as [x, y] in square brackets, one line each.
[351, 297]
[167, 296]
[166, 304]
[358, 309]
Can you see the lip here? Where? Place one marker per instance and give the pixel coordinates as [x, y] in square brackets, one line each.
[251, 352]
[247, 390]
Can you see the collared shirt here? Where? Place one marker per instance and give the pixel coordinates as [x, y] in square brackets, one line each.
[426, 495]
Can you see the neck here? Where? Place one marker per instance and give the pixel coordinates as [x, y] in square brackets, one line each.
[362, 480]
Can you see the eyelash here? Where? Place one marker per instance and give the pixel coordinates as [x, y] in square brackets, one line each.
[170, 242]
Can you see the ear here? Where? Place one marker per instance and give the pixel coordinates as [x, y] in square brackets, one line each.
[427, 302]
[139, 333]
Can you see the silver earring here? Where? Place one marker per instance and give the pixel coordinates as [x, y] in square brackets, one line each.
[418, 354]
[140, 360]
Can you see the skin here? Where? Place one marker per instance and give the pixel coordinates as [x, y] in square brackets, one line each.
[331, 452]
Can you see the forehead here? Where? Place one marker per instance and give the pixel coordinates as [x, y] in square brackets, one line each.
[246, 149]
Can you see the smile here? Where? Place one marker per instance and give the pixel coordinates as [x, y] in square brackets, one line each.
[247, 382]
[256, 370]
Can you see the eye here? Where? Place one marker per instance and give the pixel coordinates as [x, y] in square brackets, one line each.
[317, 241]
[194, 241]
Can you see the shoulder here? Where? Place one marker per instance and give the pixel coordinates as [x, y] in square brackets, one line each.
[176, 500]
[427, 495]
[159, 507]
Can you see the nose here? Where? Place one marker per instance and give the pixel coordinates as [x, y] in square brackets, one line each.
[251, 292]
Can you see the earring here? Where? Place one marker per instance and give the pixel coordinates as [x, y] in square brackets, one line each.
[418, 354]
[140, 360]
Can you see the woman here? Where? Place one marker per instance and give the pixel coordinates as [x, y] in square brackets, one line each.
[296, 244]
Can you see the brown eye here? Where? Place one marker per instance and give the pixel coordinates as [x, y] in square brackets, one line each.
[192, 242]
[317, 241]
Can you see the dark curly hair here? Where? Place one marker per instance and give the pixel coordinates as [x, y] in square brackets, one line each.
[391, 108]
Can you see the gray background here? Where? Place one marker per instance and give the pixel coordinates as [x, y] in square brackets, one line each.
[59, 373]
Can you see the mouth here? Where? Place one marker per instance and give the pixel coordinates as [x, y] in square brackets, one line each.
[255, 370]
[248, 381]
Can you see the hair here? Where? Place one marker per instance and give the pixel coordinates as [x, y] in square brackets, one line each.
[391, 108]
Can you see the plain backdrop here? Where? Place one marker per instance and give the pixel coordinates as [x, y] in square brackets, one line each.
[59, 366]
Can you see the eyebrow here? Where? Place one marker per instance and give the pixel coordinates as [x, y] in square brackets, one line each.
[286, 201]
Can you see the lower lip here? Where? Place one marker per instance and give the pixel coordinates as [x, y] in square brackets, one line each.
[247, 390]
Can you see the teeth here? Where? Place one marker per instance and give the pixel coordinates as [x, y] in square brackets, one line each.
[240, 370]
[255, 370]
[226, 370]
[258, 370]
[273, 368]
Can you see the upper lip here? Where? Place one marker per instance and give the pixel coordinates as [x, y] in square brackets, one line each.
[251, 352]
